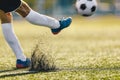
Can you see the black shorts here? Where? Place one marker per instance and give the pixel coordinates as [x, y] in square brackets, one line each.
[9, 5]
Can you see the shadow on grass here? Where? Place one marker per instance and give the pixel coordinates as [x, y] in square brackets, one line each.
[15, 72]
[14, 69]
[19, 72]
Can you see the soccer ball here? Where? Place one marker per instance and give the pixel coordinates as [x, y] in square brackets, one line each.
[86, 7]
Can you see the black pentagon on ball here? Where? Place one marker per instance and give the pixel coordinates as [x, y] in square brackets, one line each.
[93, 8]
[89, 0]
[86, 15]
[83, 6]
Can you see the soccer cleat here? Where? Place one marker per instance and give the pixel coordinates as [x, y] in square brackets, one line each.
[23, 64]
[64, 23]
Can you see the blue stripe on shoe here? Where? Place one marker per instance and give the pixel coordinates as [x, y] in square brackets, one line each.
[64, 23]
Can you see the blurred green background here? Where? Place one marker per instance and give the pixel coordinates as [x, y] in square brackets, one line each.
[66, 7]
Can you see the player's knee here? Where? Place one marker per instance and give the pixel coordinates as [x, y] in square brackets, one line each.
[24, 9]
[5, 17]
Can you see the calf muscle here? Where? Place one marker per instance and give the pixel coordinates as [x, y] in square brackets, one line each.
[24, 9]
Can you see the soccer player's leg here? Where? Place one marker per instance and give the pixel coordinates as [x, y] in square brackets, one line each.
[8, 32]
[42, 20]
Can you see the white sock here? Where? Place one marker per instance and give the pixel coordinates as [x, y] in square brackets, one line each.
[13, 41]
[42, 20]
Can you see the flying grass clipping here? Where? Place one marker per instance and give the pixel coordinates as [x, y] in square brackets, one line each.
[41, 60]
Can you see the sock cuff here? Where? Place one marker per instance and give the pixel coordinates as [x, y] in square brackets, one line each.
[6, 24]
[30, 14]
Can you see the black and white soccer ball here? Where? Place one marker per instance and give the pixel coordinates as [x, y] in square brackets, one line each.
[86, 7]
